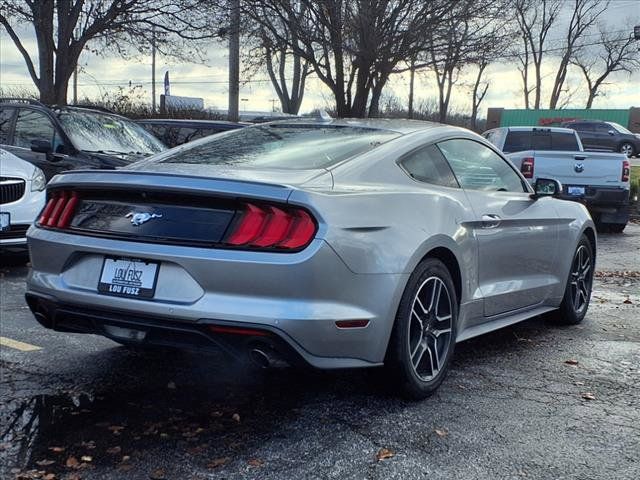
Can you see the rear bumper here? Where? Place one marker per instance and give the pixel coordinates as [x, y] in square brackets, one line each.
[298, 297]
[606, 205]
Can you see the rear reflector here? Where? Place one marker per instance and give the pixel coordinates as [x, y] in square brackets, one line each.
[527, 167]
[352, 323]
[251, 332]
[59, 210]
[272, 227]
[626, 170]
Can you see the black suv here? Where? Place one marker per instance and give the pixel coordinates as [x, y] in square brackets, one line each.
[608, 136]
[174, 132]
[68, 138]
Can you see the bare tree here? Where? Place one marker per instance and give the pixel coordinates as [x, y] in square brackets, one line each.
[535, 19]
[615, 52]
[585, 14]
[352, 46]
[63, 28]
[287, 70]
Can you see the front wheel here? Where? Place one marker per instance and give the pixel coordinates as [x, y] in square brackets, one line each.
[577, 293]
[627, 149]
[424, 332]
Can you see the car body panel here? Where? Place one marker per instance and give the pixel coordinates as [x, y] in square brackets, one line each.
[374, 225]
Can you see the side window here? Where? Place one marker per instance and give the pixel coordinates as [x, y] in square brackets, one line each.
[603, 128]
[6, 115]
[32, 125]
[564, 141]
[186, 134]
[583, 127]
[477, 167]
[428, 165]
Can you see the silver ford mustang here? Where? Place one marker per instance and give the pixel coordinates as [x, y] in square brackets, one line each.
[330, 243]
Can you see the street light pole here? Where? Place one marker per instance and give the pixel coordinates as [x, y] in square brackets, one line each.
[234, 61]
[153, 70]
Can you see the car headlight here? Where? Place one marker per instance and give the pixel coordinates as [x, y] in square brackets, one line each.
[38, 180]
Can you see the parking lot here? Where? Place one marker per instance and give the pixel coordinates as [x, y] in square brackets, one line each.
[530, 401]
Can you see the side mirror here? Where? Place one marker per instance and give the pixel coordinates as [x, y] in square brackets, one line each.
[611, 132]
[41, 146]
[546, 187]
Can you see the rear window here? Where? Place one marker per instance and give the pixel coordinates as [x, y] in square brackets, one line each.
[289, 146]
[518, 141]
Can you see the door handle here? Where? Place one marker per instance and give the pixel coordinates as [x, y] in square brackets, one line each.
[490, 220]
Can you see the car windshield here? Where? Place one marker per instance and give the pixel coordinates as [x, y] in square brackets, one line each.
[105, 133]
[619, 128]
[288, 146]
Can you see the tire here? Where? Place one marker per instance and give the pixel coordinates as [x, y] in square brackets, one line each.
[577, 294]
[627, 148]
[425, 324]
[617, 227]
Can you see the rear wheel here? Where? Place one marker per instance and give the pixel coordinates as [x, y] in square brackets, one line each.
[424, 332]
[577, 294]
[627, 149]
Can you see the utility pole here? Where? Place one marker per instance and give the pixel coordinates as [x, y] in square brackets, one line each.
[412, 75]
[153, 70]
[234, 61]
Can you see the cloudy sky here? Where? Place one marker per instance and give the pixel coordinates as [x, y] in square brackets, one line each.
[101, 75]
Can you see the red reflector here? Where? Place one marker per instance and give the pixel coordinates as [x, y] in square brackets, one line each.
[57, 210]
[250, 226]
[352, 323]
[67, 213]
[625, 170]
[238, 331]
[278, 224]
[527, 167]
[301, 233]
[47, 210]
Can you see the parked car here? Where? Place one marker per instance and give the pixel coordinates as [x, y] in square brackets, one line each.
[56, 139]
[337, 244]
[607, 136]
[22, 197]
[174, 132]
[598, 180]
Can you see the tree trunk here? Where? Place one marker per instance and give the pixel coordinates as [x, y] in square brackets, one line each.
[412, 75]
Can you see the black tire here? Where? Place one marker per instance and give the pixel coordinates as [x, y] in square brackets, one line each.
[425, 334]
[631, 151]
[617, 227]
[577, 294]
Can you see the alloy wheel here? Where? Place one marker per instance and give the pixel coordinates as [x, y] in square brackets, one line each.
[627, 149]
[581, 278]
[430, 328]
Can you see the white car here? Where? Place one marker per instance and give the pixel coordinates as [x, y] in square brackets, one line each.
[22, 197]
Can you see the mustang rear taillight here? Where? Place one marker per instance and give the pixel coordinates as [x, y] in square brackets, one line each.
[59, 210]
[527, 167]
[626, 170]
[272, 227]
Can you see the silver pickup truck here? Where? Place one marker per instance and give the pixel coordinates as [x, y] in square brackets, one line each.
[599, 180]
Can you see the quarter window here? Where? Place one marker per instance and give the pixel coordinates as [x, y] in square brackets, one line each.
[428, 165]
[6, 115]
[477, 167]
[30, 126]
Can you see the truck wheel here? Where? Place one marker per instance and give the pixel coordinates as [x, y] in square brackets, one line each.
[627, 149]
[617, 227]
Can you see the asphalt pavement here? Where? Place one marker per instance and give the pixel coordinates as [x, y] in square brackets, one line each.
[531, 401]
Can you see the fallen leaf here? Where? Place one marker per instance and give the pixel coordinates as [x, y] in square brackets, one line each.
[157, 474]
[235, 417]
[218, 462]
[57, 449]
[116, 429]
[441, 432]
[588, 396]
[72, 462]
[86, 458]
[171, 385]
[571, 361]
[114, 450]
[126, 458]
[255, 462]
[627, 301]
[49, 476]
[385, 453]
[45, 463]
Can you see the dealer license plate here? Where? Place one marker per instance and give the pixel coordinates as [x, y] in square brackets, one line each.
[575, 190]
[128, 277]
[5, 221]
